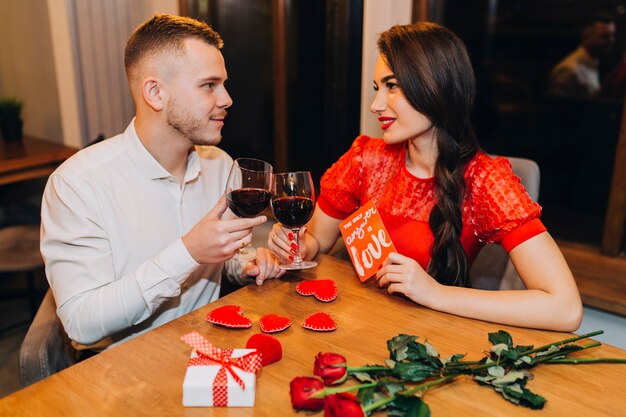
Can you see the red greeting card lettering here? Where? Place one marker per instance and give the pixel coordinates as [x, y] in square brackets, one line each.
[367, 240]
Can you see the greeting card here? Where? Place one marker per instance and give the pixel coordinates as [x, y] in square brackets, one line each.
[367, 240]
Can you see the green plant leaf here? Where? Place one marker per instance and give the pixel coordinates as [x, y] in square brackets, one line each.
[408, 406]
[457, 358]
[499, 348]
[394, 388]
[501, 337]
[496, 371]
[414, 371]
[369, 395]
[430, 350]
[362, 376]
[521, 396]
[406, 348]
[398, 346]
[552, 349]
[510, 378]
[523, 360]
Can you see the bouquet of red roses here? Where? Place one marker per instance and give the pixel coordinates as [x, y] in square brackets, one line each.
[414, 367]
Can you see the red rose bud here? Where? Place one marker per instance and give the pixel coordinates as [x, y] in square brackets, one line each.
[342, 405]
[331, 367]
[301, 388]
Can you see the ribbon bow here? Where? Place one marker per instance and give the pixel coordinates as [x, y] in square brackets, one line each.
[211, 355]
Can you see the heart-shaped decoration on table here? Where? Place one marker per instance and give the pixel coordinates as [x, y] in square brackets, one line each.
[272, 323]
[320, 322]
[324, 289]
[229, 316]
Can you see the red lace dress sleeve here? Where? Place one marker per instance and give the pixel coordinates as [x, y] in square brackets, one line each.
[339, 186]
[501, 209]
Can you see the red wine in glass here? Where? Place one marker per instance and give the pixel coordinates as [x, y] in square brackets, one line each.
[248, 202]
[247, 193]
[293, 204]
[293, 212]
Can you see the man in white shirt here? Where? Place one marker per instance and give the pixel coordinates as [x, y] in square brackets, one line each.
[134, 231]
[577, 74]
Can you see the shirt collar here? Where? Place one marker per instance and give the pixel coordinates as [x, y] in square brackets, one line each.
[150, 166]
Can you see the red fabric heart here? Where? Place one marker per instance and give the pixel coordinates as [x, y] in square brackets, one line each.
[323, 289]
[320, 322]
[269, 347]
[272, 323]
[229, 316]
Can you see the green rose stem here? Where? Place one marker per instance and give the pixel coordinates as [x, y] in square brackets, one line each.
[329, 391]
[461, 364]
[367, 369]
[528, 352]
[563, 342]
[411, 391]
[586, 360]
[555, 357]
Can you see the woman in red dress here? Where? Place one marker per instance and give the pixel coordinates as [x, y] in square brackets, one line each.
[440, 197]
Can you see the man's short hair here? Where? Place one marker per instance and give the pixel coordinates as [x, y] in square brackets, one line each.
[166, 33]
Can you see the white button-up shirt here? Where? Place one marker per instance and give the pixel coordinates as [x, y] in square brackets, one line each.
[112, 220]
[576, 75]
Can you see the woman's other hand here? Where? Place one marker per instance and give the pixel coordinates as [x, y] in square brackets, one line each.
[404, 275]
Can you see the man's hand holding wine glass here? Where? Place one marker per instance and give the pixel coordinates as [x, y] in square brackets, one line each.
[214, 240]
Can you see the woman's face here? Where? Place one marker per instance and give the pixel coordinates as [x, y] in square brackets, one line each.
[398, 119]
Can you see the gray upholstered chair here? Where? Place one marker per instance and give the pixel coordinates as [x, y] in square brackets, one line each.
[46, 349]
[492, 268]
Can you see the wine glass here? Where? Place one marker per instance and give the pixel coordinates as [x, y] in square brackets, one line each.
[247, 193]
[293, 203]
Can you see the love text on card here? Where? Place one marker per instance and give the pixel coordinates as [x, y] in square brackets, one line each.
[367, 240]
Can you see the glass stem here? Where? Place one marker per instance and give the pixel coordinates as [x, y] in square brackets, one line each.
[296, 239]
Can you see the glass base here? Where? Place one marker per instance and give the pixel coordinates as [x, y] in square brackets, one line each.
[244, 254]
[301, 265]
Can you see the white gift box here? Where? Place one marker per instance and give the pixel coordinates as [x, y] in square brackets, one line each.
[198, 384]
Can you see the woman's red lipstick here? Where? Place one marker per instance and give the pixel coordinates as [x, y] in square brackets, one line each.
[386, 122]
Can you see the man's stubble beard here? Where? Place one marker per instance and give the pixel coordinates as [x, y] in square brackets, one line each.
[188, 126]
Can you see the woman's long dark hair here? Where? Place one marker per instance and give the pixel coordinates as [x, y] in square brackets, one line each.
[435, 74]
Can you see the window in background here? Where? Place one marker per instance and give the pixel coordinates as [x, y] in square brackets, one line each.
[514, 46]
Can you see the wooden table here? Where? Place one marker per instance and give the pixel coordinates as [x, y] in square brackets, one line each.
[30, 158]
[143, 377]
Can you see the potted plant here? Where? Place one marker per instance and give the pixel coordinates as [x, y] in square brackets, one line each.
[10, 118]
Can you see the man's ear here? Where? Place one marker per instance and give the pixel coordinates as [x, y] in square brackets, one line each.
[153, 94]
